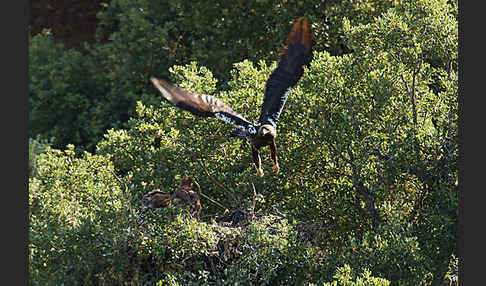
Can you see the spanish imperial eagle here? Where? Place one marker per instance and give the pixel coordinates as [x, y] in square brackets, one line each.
[296, 54]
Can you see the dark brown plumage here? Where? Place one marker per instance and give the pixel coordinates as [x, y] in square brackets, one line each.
[183, 196]
[155, 199]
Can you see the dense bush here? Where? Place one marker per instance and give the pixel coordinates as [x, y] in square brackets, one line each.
[367, 143]
[153, 35]
[63, 90]
[343, 276]
[270, 255]
[76, 218]
[392, 252]
[36, 147]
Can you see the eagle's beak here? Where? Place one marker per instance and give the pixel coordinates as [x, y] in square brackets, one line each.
[263, 131]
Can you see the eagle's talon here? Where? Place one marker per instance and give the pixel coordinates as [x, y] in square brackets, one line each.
[275, 168]
[260, 172]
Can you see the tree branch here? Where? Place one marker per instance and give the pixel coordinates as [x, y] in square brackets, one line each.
[207, 197]
[199, 161]
[254, 201]
[368, 194]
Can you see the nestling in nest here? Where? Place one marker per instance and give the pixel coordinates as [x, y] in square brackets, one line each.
[183, 196]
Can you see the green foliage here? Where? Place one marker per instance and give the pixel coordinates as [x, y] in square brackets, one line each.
[36, 147]
[62, 93]
[75, 218]
[367, 148]
[177, 247]
[392, 252]
[453, 271]
[271, 254]
[178, 239]
[344, 277]
[357, 13]
[155, 35]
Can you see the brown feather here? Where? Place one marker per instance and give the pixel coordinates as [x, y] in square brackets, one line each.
[200, 104]
[300, 34]
[183, 196]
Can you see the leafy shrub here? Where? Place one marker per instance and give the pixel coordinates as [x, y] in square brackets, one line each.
[155, 35]
[271, 254]
[344, 277]
[36, 147]
[64, 91]
[173, 239]
[77, 219]
[392, 252]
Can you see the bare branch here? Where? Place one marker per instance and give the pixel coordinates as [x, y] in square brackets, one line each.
[199, 161]
[217, 183]
[336, 151]
[411, 95]
[418, 205]
[207, 197]
[413, 98]
[367, 193]
[254, 201]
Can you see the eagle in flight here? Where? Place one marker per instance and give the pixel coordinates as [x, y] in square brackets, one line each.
[296, 54]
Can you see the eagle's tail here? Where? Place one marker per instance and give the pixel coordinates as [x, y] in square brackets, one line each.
[300, 34]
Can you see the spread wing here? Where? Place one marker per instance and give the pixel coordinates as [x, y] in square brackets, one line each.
[294, 56]
[201, 104]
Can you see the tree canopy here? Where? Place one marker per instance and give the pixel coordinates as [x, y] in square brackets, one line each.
[367, 192]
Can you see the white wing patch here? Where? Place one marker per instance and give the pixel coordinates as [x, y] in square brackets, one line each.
[226, 118]
[251, 129]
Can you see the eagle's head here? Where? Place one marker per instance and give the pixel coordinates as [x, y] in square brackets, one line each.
[267, 130]
[186, 181]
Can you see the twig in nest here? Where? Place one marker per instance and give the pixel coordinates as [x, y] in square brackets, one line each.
[216, 182]
[207, 197]
[199, 161]
[254, 202]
